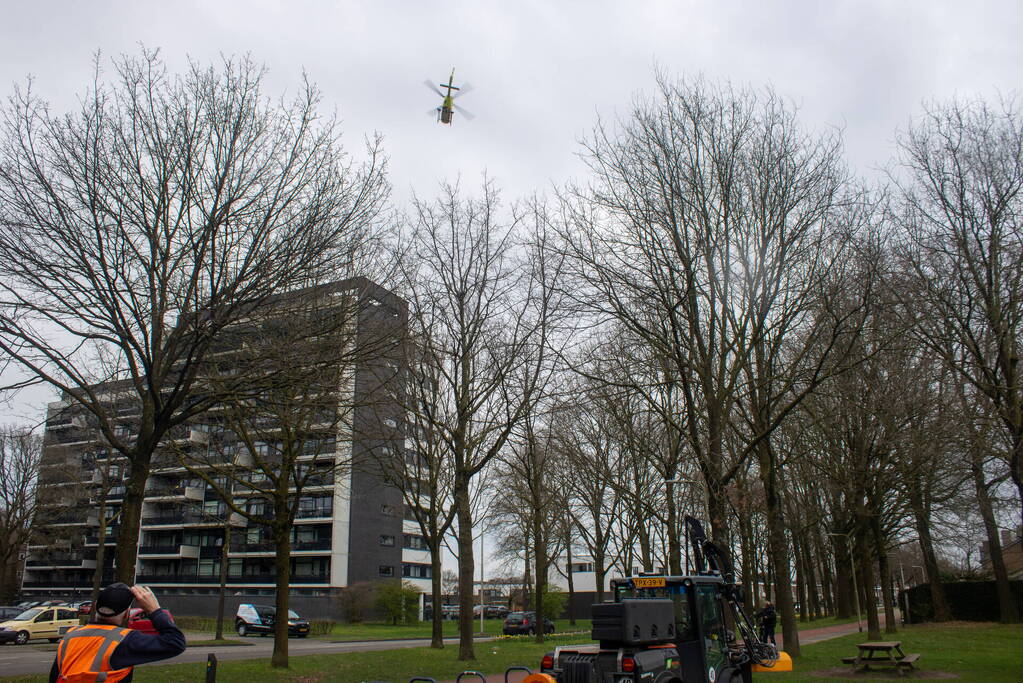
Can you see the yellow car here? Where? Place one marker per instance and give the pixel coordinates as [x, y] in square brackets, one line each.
[38, 622]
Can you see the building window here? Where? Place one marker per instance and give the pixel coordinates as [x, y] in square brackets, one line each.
[412, 570]
[582, 567]
[386, 570]
[415, 542]
[387, 510]
[386, 540]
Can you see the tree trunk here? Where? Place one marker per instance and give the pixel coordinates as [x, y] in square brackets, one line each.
[885, 574]
[797, 555]
[865, 570]
[571, 580]
[674, 549]
[224, 550]
[942, 612]
[779, 557]
[437, 618]
[540, 557]
[1008, 613]
[279, 658]
[843, 582]
[466, 571]
[126, 554]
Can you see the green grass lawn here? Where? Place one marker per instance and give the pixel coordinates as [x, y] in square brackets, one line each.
[972, 652]
[819, 623]
[491, 627]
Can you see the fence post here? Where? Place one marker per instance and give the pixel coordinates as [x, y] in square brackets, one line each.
[211, 668]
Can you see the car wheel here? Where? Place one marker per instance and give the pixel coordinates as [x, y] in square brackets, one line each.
[303, 635]
[21, 638]
[242, 631]
[264, 634]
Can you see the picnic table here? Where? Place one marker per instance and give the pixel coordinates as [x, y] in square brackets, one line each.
[886, 653]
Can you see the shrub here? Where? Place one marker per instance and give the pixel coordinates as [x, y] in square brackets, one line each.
[356, 600]
[398, 601]
[554, 601]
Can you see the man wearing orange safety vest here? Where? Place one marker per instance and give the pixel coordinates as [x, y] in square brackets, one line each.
[104, 651]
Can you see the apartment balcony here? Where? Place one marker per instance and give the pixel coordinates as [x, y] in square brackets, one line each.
[172, 518]
[172, 551]
[73, 560]
[314, 514]
[323, 544]
[92, 538]
[165, 579]
[73, 517]
[162, 491]
[187, 435]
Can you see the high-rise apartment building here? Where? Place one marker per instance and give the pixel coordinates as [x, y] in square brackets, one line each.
[350, 526]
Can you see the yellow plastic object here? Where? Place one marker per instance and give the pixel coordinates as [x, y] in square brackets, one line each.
[784, 663]
[538, 678]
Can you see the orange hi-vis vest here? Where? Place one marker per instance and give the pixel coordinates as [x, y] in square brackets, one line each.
[83, 655]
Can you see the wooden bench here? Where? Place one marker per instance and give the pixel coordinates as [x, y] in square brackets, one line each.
[882, 654]
[907, 661]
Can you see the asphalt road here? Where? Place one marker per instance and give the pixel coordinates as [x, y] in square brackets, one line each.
[36, 658]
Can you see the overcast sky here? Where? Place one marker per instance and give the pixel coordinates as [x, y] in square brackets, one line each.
[542, 70]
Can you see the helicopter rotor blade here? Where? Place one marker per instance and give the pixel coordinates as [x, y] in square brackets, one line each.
[429, 84]
[466, 88]
[461, 110]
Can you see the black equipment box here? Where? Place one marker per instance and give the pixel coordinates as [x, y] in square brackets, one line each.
[633, 622]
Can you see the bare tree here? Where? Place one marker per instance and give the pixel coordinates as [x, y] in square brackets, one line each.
[20, 454]
[960, 181]
[147, 221]
[710, 232]
[472, 310]
[424, 473]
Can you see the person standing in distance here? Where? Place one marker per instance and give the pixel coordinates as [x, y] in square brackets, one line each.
[768, 621]
[104, 651]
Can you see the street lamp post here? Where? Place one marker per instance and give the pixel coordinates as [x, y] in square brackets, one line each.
[852, 567]
[482, 608]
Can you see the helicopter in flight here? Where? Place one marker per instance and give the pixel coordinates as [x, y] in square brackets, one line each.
[445, 112]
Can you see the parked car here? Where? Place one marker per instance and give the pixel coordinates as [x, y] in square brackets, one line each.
[85, 608]
[490, 611]
[261, 619]
[38, 622]
[139, 621]
[449, 612]
[522, 623]
[9, 612]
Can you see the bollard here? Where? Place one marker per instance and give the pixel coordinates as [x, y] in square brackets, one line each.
[211, 668]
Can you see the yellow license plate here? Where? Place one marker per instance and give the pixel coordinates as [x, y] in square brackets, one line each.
[649, 582]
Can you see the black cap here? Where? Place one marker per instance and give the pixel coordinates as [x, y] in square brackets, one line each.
[113, 600]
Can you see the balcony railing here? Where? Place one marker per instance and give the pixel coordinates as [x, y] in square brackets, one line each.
[233, 579]
[270, 546]
[172, 518]
[165, 549]
[78, 559]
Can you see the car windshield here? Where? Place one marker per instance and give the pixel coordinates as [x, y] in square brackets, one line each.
[28, 614]
[293, 615]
